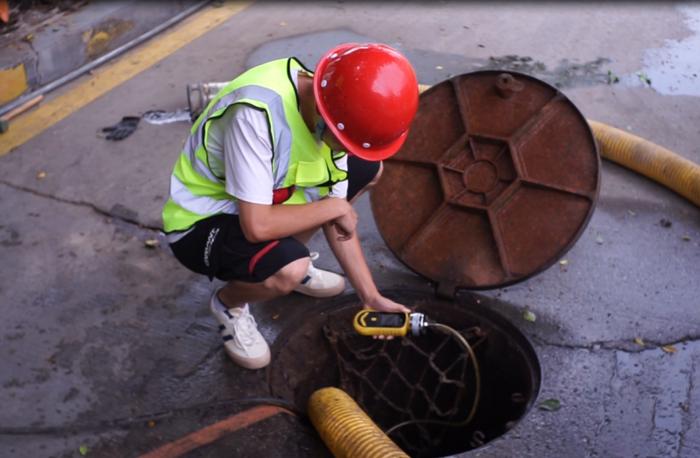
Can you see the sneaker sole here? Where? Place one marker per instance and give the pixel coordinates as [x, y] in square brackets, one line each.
[320, 293]
[249, 363]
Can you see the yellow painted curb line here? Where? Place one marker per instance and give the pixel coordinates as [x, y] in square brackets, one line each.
[112, 74]
[13, 82]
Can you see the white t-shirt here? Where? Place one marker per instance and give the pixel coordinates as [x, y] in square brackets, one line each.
[242, 134]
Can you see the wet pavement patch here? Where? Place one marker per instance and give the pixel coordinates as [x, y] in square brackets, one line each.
[421, 389]
[432, 67]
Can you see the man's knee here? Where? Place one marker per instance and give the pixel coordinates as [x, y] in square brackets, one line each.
[288, 277]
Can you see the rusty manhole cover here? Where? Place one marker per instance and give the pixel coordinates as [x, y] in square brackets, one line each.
[498, 178]
[414, 379]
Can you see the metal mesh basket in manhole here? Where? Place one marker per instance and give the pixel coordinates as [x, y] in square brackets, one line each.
[418, 389]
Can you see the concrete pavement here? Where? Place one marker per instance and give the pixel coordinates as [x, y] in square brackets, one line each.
[108, 344]
[53, 42]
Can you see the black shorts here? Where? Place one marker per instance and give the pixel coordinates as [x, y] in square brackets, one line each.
[217, 248]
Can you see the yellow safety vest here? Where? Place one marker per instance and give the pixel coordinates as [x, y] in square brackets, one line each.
[300, 163]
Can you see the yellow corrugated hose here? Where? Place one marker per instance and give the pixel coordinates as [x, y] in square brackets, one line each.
[651, 160]
[345, 429]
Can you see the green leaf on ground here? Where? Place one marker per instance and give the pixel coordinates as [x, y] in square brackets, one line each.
[644, 78]
[550, 405]
[83, 450]
[529, 316]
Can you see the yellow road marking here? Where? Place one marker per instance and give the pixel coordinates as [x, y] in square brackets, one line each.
[14, 83]
[108, 76]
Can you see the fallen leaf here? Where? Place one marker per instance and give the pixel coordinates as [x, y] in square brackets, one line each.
[686, 238]
[550, 405]
[669, 349]
[151, 423]
[564, 262]
[151, 243]
[644, 78]
[83, 449]
[529, 316]
[639, 341]
[41, 175]
[275, 316]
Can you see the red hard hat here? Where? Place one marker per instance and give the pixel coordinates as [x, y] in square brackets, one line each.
[368, 95]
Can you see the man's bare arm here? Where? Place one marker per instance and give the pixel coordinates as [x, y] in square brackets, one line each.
[352, 260]
[270, 222]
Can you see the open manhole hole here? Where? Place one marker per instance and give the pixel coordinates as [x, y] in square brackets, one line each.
[414, 379]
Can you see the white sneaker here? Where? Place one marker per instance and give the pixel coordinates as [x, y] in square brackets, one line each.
[242, 341]
[320, 283]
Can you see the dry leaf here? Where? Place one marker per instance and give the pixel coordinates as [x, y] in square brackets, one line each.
[151, 243]
[669, 349]
[41, 175]
[275, 316]
[686, 238]
[564, 262]
[639, 341]
[151, 423]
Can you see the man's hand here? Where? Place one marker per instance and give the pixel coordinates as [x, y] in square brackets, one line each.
[383, 304]
[346, 225]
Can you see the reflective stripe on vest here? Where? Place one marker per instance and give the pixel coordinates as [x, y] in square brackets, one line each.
[197, 187]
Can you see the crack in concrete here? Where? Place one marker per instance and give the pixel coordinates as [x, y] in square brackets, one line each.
[626, 346]
[82, 204]
[214, 350]
[35, 65]
[686, 417]
[653, 418]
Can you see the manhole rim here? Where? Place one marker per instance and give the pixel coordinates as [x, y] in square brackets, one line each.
[476, 302]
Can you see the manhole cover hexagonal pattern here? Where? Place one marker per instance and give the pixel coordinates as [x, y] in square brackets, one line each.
[497, 179]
